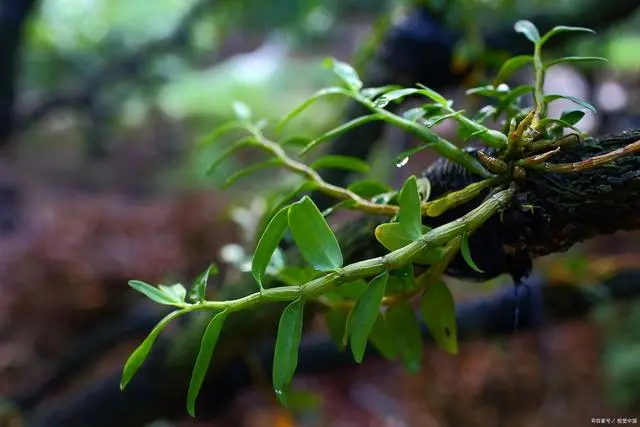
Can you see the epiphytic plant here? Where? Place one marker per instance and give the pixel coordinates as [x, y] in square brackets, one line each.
[354, 294]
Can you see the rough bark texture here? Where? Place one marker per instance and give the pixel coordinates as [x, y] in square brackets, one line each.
[551, 211]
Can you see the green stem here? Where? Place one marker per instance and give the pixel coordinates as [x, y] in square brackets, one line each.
[363, 269]
[441, 145]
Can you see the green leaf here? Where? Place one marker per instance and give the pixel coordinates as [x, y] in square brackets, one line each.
[392, 236]
[563, 29]
[433, 95]
[438, 312]
[402, 158]
[466, 253]
[308, 102]
[358, 121]
[285, 359]
[269, 241]
[401, 280]
[351, 290]
[548, 120]
[374, 92]
[139, 355]
[572, 117]
[241, 110]
[364, 315]
[198, 290]
[528, 29]
[485, 112]
[485, 90]
[553, 97]
[313, 236]
[336, 321]
[368, 188]
[409, 216]
[200, 368]
[151, 292]
[341, 162]
[511, 66]
[432, 121]
[575, 59]
[406, 330]
[221, 130]
[346, 73]
[175, 292]
[395, 95]
[383, 339]
[413, 114]
[250, 170]
[236, 146]
[344, 204]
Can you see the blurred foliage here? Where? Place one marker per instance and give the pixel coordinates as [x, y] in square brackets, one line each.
[620, 324]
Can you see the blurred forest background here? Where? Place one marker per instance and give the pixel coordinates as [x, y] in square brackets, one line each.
[112, 98]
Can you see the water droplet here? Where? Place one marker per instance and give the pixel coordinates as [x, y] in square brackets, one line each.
[281, 395]
[503, 88]
[381, 102]
[401, 162]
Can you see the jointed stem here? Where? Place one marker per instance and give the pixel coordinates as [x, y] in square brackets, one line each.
[368, 268]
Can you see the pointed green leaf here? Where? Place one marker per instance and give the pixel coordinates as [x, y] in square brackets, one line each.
[575, 59]
[393, 237]
[485, 90]
[351, 290]
[250, 170]
[409, 215]
[562, 124]
[151, 292]
[200, 368]
[433, 95]
[336, 321]
[199, 288]
[346, 73]
[553, 97]
[344, 204]
[285, 359]
[572, 117]
[400, 280]
[433, 121]
[139, 355]
[241, 110]
[236, 146]
[268, 243]
[341, 162]
[564, 29]
[402, 158]
[406, 330]
[221, 130]
[364, 315]
[358, 121]
[313, 236]
[511, 66]
[528, 29]
[374, 92]
[395, 95]
[308, 102]
[368, 188]
[175, 292]
[413, 114]
[382, 338]
[438, 312]
[466, 253]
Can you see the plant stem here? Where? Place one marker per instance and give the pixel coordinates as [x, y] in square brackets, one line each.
[363, 269]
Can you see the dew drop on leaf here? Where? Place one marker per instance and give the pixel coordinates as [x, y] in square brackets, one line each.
[402, 162]
[381, 102]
